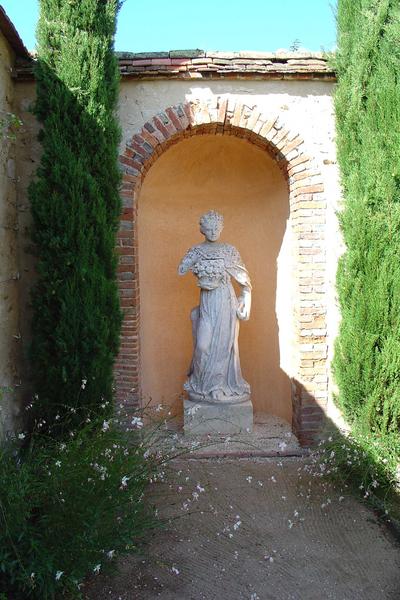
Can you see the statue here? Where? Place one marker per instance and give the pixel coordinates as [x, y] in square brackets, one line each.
[215, 375]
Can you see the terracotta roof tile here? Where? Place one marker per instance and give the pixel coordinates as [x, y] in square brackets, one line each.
[182, 64]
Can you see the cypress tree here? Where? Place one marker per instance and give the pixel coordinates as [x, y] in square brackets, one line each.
[75, 207]
[367, 354]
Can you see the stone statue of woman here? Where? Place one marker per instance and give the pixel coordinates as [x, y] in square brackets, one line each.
[215, 375]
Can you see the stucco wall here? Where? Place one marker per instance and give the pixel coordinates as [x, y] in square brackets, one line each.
[247, 187]
[9, 327]
[305, 107]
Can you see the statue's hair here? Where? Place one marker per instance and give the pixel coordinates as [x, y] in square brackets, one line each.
[213, 217]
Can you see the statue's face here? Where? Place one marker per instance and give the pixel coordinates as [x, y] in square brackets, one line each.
[211, 230]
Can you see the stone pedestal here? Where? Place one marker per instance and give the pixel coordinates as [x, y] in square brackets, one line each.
[201, 418]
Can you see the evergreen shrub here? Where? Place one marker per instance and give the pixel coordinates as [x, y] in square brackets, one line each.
[367, 354]
[75, 207]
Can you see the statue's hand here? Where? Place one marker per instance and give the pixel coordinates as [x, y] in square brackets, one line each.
[243, 309]
[185, 265]
[188, 261]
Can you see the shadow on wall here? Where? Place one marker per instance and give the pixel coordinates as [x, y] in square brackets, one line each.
[76, 206]
[245, 184]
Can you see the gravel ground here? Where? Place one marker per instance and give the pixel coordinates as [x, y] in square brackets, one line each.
[256, 529]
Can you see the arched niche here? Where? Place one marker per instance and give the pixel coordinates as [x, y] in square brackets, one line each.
[244, 183]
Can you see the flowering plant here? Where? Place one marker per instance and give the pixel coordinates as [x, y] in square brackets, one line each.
[67, 508]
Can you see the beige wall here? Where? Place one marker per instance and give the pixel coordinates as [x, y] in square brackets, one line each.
[9, 327]
[246, 186]
[304, 106]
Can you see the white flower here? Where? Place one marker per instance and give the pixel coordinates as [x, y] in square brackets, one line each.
[21, 436]
[96, 569]
[58, 463]
[106, 425]
[84, 382]
[137, 422]
[110, 554]
[200, 489]
[175, 571]
[59, 574]
[124, 481]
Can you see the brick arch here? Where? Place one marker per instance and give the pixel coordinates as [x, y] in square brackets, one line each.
[224, 116]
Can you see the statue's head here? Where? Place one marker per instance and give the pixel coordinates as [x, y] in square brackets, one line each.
[211, 225]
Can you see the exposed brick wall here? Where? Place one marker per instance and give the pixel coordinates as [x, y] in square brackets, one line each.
[225, 116]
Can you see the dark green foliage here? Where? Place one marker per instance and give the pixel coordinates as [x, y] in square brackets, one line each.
[66, 508]
[75, 206]
[367, 358]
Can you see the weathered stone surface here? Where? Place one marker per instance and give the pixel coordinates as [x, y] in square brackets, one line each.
[186, 53]
[201, 418]
[215, 374]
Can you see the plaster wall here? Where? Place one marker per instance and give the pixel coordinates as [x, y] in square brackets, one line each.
[303, 106]
[245, 184]
[9, 326]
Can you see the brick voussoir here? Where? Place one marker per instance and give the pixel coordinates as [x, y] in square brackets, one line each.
[174, 119]
[266, 128]
[149, 138]
[160, 127]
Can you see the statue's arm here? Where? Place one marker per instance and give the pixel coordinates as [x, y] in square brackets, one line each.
[187, 262]
[240, 273]
[244, 303]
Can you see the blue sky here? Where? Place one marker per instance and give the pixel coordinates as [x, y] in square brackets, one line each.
[207, 24]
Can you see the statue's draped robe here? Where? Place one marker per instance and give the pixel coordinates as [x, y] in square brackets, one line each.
[215, 373]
